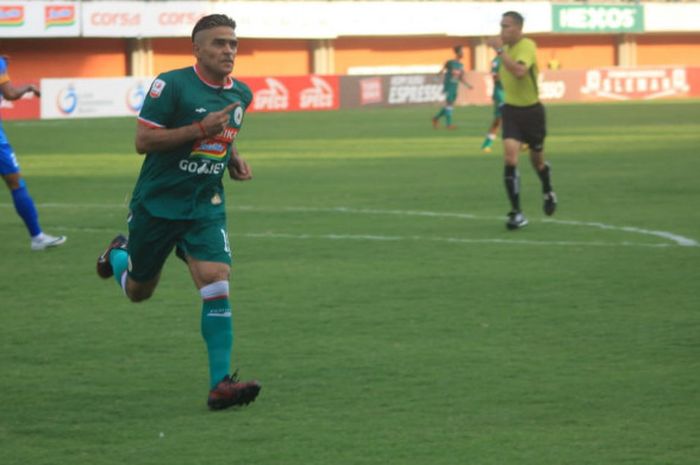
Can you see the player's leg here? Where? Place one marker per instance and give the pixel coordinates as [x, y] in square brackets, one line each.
[136, 262]
[23, 202]
[206, 250]
[449, 107]
[440, 114]
[491, 134]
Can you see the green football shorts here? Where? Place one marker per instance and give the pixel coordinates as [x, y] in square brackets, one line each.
[152, 239]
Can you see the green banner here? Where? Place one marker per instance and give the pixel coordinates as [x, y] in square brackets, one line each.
[587, 19]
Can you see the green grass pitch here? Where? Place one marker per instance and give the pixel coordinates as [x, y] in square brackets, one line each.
[377, 295]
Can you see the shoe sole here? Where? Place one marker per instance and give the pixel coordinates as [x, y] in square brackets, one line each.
[246, 395]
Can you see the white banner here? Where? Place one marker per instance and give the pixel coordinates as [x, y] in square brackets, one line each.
[662, 17]
[39, 19]
[90, 98]
[311, 19]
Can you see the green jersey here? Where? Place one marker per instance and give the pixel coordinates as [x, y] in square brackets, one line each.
[498, 94]
[184, 183]
[521, 92]
[453, 74]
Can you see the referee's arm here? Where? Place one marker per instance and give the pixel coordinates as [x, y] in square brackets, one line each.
[516, 68]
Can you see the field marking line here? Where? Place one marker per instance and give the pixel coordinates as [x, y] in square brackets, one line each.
[676, 238]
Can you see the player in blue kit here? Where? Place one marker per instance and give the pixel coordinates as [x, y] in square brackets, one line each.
[10, 172]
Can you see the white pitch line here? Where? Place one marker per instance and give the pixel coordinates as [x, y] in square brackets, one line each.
[676, 238]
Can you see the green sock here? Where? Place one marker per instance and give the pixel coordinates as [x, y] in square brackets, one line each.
[119, 259]
[440, 113]
[448, 116]
[217, 329]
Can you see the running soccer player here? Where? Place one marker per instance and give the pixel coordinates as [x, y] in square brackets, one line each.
[9, 169]
[523, 114]
[498, 100]
[453, 72]
[187, 129]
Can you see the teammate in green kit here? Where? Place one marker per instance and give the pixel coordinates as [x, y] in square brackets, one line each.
[498, 98]
[187, 129]
[453, 71]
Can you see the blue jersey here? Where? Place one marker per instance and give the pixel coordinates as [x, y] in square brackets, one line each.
[4, 77]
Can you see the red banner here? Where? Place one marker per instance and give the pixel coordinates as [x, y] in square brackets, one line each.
[26, 107]
[301, 93]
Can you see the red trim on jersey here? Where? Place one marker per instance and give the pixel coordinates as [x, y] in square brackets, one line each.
[150, 124]
[228, 85]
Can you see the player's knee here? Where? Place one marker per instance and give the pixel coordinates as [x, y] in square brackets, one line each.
[138, 293]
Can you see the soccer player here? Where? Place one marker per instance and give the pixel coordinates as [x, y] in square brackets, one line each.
[498, 98]
[453, 72]
[9, 169]
[523, 114]
[187, 128]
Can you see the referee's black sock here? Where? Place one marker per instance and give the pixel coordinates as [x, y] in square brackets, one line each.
[512, 181]
[545, 178]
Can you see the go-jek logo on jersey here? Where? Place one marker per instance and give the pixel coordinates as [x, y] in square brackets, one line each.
[11, 16]
[135, 96]
[275, 97]
[67, 100]
[320, 96]
[208, 154]
[63, 15]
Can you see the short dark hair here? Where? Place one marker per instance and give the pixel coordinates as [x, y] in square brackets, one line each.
[457, 49]
[212, 21]
[517, 17]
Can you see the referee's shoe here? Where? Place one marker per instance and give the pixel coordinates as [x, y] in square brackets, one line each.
[550, 203]
[516, 220]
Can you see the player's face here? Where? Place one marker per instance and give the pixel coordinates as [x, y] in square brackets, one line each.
[510, 31]
[216, 50]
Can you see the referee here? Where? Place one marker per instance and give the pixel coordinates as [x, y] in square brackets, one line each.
[523, 114]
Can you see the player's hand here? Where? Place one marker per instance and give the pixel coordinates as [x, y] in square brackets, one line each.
[239, 170]
[217, 121]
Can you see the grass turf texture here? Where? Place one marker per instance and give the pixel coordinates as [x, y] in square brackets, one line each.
[380, 337]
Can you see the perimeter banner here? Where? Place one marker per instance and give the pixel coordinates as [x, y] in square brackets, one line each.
[26, 107]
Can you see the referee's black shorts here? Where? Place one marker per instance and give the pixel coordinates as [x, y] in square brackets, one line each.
[526, 124]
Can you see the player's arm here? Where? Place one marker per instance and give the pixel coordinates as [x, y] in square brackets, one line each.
[11, 92]
[238, 169]
[152, 138]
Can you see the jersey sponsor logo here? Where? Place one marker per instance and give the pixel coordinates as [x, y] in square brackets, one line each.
[157, 88]
[11, 16]
[214, 148]
[201, 167]
[200, 110]
[63, 15]
[275, 97]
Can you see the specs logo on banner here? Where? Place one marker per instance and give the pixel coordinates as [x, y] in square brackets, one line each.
[11, 16]
[275, 97]
[317, 97]
[59, 16]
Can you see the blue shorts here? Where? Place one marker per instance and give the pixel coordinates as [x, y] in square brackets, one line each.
[8, 161]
